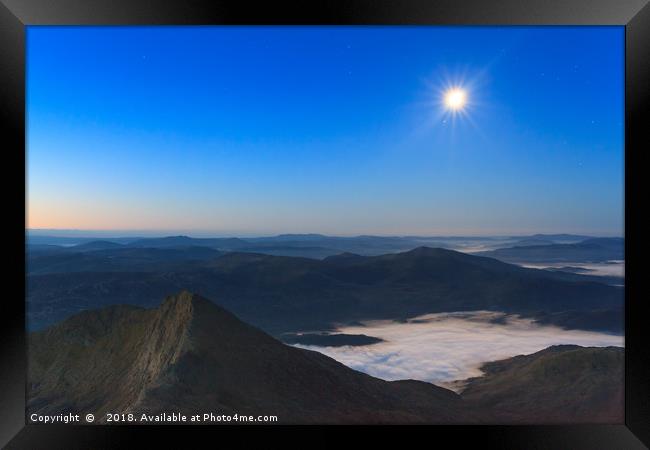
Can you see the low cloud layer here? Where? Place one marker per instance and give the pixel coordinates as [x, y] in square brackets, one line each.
[440, 348]
[610, 268]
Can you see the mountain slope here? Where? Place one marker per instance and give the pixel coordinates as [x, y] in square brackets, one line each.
[95, 245]
[117, 258]
[185, 241]
[189, 355]
[588, 250]
[286, 294]
[560, 384]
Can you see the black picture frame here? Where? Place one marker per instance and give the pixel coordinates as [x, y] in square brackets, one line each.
[15, 15]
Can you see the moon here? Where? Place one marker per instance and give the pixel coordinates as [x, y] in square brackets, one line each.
[455, 99]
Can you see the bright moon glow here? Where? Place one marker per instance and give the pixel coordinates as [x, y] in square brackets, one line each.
[455, 99]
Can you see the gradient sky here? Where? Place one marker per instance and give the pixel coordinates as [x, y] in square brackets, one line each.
[338, 130]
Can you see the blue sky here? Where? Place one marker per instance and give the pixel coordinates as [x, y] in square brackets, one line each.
[338, 130]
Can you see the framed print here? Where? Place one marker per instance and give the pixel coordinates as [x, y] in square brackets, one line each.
[293, 216]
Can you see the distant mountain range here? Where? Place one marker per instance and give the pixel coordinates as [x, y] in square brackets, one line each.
[306, 245]
[95, 257]
[289, 294]
[562, 238]
[593, 250]
[188, 355]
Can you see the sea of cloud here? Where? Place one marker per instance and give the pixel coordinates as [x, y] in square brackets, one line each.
[609, 268]
[441, 348]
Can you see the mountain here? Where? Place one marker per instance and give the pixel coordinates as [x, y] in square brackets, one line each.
[289, 294]
[67, 241]
[303, 245]
[31, 249]
[531, 242]
[589, 250]
[110, 257]
[558, 238]
[316, 246]
[191, 356]
[298, 237]
[186, 241]
[287, 250]
[545, 239]
[560, 384]
[95, 245]
[613, 243]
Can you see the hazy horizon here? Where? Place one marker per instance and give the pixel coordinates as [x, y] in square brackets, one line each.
[206, 233]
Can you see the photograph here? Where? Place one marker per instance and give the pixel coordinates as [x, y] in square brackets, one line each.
[325, 225]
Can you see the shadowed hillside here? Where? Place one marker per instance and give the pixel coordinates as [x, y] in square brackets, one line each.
[190, 355]
[592, 250]
[561, 384]
[288, 294]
